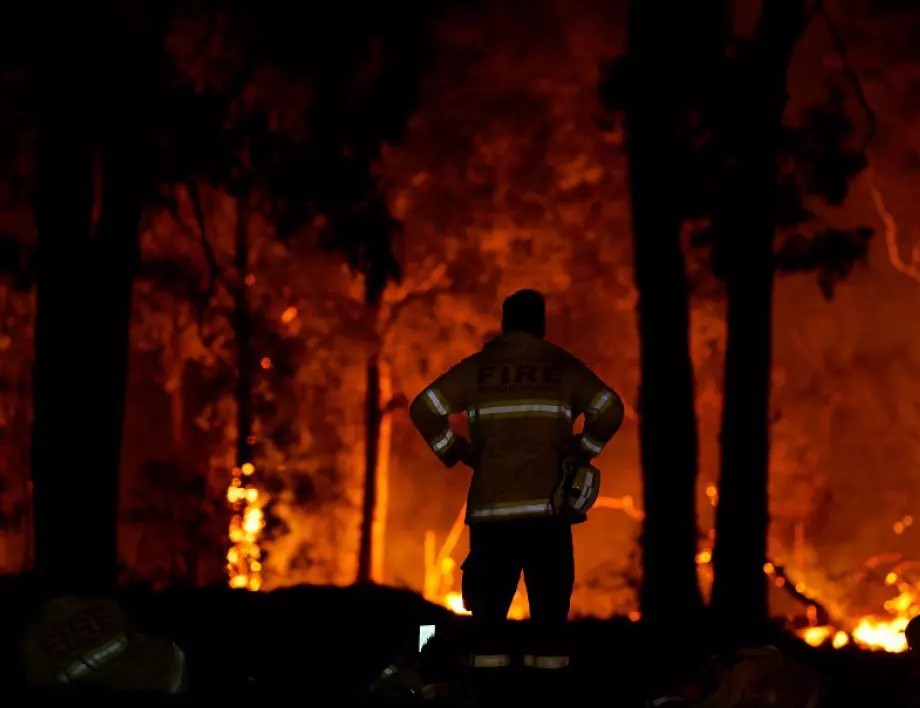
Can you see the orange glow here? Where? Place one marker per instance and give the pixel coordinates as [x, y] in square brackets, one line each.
[288, 315]
[266, 363]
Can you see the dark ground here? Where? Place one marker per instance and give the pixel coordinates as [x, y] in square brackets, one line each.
[323, 646]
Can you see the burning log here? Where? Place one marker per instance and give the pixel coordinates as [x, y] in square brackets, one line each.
[818, 613]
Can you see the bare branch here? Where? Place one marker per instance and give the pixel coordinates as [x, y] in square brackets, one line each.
[410, 299]
[214, 269]
[912, 269]
[850, 72]
[204, 297]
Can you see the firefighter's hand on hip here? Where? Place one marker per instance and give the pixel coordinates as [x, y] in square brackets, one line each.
[469, 454]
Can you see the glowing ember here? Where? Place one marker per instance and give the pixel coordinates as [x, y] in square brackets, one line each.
[244, 559]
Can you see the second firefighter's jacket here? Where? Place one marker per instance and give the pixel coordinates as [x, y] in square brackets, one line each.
[521, 396]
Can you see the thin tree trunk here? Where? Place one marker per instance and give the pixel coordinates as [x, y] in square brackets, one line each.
[753, 119]
[382, 486]
[174, 386]
[125, 189]
[371, 456]
[670, 592]
[242, 326]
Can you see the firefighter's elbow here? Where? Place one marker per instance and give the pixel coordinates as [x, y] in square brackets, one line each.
[617, 413]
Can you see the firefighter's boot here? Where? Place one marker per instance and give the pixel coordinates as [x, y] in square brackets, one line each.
[545, 680]
[492, 680]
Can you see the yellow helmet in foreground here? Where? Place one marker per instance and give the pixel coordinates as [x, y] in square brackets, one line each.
[84, 641]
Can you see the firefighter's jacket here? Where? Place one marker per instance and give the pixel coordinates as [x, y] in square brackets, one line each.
[520, 395]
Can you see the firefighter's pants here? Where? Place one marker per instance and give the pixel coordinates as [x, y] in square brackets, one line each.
[500, 551]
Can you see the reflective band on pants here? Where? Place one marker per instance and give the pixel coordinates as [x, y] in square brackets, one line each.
[489, 661]
[546, 662]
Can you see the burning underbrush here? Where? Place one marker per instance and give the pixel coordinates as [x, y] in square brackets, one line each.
[890, 582]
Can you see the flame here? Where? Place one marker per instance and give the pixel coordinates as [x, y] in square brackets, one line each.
[874, 632]
[868, 632]
[453, 601]
[244, 559]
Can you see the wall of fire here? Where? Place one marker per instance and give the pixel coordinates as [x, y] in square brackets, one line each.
[508, 179]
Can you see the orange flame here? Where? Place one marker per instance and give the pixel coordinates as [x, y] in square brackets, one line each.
[244, 559]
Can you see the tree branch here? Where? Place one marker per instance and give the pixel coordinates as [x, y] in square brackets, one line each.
[214, 269]
[789, 587]
[410, 299]
[850, 72]
[912, 269]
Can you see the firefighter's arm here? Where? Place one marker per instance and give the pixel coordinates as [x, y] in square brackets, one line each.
[430, 410]
[601, 406]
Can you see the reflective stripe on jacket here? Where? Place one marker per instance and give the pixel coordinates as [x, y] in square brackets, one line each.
[520, 395]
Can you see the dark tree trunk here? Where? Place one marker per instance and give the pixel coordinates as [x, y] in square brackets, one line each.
[65, 475]
[371, 461]
[242, 327]
[670, 591]
[754, 123]
[84, 298]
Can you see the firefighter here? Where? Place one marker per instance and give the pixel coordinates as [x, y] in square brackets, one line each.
[532, 478]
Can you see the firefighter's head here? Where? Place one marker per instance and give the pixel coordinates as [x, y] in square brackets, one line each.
[525, 311]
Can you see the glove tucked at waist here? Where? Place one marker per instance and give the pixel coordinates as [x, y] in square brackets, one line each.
[578, 488]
